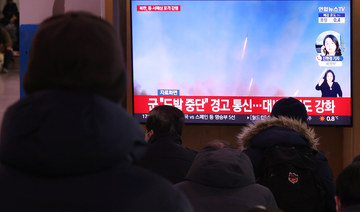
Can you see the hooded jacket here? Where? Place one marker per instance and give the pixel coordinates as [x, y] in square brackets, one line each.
[73, 151]
[223, 180]
[257, 137]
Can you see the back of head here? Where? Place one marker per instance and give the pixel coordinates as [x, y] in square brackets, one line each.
[165, 119]
[76, 51]
[291, 108]
[348, 185]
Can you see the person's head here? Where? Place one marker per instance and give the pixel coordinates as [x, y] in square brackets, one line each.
[291, 108]
[329, 76]
[76, 51]
[332, 46]
[164, 119]
[348, 186]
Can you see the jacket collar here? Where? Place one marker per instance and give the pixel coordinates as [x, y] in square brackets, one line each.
[171, 137]
[255, 128]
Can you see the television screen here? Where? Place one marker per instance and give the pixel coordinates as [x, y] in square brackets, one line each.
[229, 61]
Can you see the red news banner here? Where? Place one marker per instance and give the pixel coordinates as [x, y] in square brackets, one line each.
[240, 105]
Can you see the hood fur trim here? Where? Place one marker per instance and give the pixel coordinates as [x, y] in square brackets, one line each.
[253, 129]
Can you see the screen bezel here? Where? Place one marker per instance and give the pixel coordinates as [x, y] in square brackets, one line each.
[130, 100]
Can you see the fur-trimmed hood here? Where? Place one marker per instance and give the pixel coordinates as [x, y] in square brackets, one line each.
[245, 138]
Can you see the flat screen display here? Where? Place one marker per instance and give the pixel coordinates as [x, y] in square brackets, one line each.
[229, 61]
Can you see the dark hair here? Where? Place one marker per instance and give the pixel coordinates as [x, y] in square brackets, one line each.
[348, 185]
[329, 71]
[165, 119]
[291, 108]
[10, 9]
[76, 51]
[335, 40]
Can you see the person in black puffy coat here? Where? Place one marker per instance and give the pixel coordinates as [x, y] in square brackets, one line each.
[68, 145]
[287, 126]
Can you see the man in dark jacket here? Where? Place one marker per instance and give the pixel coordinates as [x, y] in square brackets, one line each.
[348, 189]
[287, 126]
[223, 180]
[165, 155]
[69, 145]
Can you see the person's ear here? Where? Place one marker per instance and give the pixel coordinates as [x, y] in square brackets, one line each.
[148, 135]
[338, 203]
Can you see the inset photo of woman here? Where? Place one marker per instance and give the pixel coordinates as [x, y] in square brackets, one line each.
[329, 48]
[328, 86]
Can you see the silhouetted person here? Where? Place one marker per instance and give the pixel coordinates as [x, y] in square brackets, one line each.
[165, 155]
[287, 128]
[348, 189]
[11, 22]
[9, 9]
[69, 145]
[222, 179]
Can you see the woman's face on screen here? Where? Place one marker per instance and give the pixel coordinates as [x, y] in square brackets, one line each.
[330, 46]
[329, 77]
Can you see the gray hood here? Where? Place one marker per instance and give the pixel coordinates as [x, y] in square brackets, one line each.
[222, 168]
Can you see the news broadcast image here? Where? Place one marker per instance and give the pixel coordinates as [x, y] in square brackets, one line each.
[228, 62]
